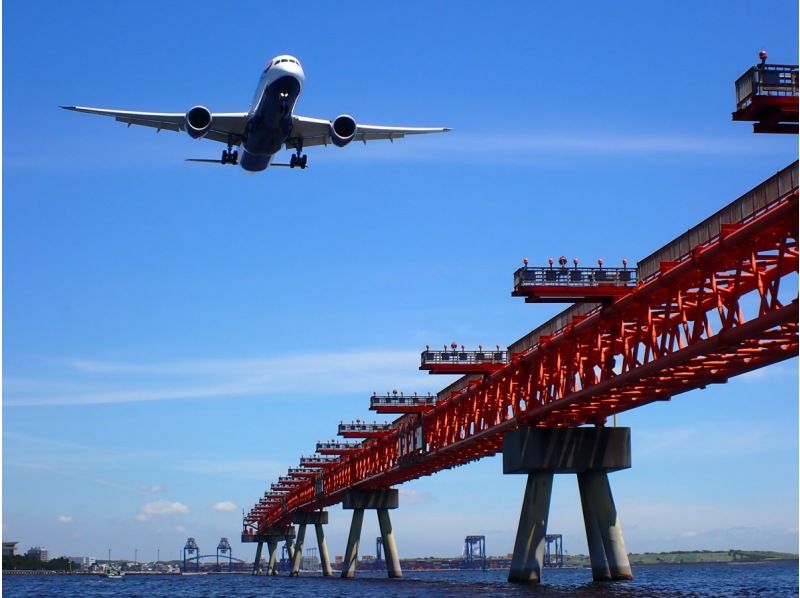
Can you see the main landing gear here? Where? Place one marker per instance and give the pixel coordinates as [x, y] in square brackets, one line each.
[230, 156]
[298, 160]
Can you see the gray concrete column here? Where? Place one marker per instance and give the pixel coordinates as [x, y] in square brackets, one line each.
[351, 552]
[257, 560]
[297, 558]
[272, 546]
[323, 551]
[595, 488]
[528, 558]
[389, 546]
[594, 538]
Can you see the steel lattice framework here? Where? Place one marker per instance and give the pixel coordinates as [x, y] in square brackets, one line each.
[702, 318]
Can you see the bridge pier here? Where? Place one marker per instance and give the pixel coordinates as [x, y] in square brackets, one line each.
[257, 560]
[601, 519]
[271, 535]
[317, 519]
[589, 452]
[272, 546]
[323, 551]
[297, 557]
[380, 500]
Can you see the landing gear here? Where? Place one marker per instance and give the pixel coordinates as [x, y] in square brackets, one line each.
[230, 156]
[298, 160]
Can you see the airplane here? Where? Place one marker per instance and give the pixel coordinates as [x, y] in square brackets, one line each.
[267, 126]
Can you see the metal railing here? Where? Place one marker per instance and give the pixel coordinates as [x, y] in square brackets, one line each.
[739, 210]
[456, 357]
[394, 400]
[335, 445]
[578, 277]
[322, 459]
[774, 80]
[364, 427]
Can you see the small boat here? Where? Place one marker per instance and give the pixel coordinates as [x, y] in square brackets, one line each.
[115, 574]
[194, 573]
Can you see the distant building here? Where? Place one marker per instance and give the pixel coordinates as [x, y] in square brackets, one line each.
[83, 562]
[38, 553]
[9, 549]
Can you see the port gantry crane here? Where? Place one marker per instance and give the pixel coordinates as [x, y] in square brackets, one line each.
[716, 302]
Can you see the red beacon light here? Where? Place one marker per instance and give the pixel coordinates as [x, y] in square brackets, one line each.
[763, 56]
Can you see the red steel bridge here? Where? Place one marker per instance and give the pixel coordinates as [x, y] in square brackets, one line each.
[718, 301]
[704, 308]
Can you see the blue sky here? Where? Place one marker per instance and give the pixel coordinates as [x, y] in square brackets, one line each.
[176, 335]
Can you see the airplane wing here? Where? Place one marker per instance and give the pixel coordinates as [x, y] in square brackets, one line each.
[225, 126]
[308, 132]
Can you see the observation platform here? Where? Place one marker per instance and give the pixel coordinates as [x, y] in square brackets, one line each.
[319, 461]
[399, 403]
[560, 284]
[767, 94]
[359, 429]
[287, 480]
[463, 362]
[337, 447]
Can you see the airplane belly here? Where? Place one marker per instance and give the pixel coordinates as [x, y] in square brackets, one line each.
[271, 123]
[254, 162]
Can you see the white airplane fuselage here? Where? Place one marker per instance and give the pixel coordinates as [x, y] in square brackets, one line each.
[269, 121]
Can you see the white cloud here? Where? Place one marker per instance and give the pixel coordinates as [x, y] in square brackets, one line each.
[151, 489]
[336, 372]
[160, 508]
[180, 529]
[224, 505]
[64, 519]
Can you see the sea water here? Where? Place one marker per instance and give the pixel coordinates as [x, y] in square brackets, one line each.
[773, 580]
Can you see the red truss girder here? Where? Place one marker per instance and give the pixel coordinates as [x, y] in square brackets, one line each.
[683, 328]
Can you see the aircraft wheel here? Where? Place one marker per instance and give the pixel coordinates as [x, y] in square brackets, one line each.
[224, 156]
[293, 161]
[235, 157]
[303, 161]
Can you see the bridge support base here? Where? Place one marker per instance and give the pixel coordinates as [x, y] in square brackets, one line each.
[381, 501]
[589, 452]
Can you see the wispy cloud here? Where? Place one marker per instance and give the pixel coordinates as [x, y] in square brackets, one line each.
[151, 489]
[225, 506]
[120, 382]
[160, 508]
[64, 519]
[459, 146]
[251, 469]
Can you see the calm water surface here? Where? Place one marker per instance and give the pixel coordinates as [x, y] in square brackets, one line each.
[775, 580]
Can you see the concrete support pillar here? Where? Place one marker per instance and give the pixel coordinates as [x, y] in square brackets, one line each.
[272, 546]
[389, 547]
[351, 552]
[600, 515]
[528, 557]
[297, 557]
[323, 551]
[257, 561]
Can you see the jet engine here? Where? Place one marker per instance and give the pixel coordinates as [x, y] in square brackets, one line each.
[343, 129]
[198, 121]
